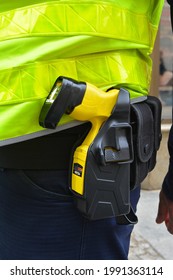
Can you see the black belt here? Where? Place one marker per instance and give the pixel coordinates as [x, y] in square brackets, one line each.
[52, 151]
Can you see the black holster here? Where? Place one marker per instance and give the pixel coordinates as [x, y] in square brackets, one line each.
[145, 118]
[119, 159]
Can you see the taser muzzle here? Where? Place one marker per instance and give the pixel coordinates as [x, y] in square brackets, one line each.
[100, 172]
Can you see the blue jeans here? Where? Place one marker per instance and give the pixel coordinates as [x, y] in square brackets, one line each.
[38, 220]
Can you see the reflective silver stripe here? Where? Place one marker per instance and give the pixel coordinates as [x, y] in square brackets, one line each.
[39, 133]
[138, 99]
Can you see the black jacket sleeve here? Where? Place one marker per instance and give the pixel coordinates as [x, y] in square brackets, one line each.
[168, 180]
[170, 2]
[167, 185]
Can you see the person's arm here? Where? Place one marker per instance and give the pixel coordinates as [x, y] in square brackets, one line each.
[165, 208]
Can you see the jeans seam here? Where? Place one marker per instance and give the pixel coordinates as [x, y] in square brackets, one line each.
[81, 253]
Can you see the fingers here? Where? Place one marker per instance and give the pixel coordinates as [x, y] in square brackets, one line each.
[165, 212]
[162, 214]
[169, 226]
[169, 220]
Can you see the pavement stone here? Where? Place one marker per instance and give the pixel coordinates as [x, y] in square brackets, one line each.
[141, 249]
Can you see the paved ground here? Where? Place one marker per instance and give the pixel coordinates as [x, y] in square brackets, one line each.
[142, 249]
[150, 241]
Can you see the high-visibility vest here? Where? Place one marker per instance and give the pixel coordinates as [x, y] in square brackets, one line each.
[106, 43]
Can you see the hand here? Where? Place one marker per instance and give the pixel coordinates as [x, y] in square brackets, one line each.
[165, 212]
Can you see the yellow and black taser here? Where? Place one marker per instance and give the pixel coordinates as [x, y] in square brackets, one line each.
[100, 168]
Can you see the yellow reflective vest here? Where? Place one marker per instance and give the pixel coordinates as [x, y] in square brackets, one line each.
[106, 43]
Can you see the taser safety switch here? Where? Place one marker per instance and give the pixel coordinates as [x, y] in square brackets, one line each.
[100, 169]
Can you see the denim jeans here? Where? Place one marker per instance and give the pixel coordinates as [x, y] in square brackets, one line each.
[38, 220]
